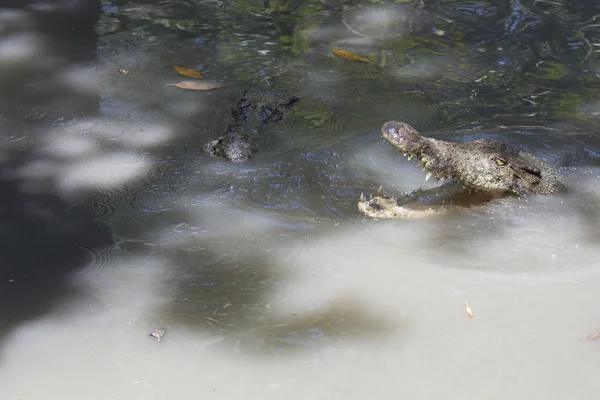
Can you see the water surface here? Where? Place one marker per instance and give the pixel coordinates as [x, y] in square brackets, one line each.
[269, 282]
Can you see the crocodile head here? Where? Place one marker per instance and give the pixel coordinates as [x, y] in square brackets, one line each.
[251, 114]
[479, 165]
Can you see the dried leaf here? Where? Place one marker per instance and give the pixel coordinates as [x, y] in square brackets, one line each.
[348, 55]
[122, 71]
[197, 85]
[189, 72]
[594, 335]
[468, 308]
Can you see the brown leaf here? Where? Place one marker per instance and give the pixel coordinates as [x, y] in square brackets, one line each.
[189, 72]
[348, 55]
[468, 308]
[197, 85]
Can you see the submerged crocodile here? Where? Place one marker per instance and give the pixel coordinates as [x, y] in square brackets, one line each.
[484, 170]
[253, 111]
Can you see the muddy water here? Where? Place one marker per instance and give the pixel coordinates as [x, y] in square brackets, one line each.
[268, 281]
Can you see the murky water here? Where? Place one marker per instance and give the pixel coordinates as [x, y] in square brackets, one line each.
[268, 281]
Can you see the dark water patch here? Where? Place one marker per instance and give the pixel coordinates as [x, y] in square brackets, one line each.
[117, 206]
[341, 323]
[110, 25]
[123, 51]
[231, 288]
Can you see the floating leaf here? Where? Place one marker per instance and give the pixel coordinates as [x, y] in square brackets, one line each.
[468, 308]
[197, 85]
[594, 335]
[189, 72]
[122, 71]
[348, 55]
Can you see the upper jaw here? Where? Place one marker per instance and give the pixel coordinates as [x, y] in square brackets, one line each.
[428, 165]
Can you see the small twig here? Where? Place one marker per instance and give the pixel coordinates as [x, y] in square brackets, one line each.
[549, 2]
[590, 49]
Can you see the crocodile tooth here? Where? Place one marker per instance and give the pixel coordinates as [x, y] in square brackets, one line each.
[362, 197]
[424, 168]
[410, 157]
[370, 197]
[404, 154]
[379, 190]
[428, 176]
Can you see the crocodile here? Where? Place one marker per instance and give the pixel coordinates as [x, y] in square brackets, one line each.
[482, 171]
[252, 112]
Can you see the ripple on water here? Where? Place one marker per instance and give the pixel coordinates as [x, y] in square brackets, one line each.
[212, 3]
[111, 50]
[100, 259]
[110, 206]
[33, 113]
[153, 201]
[148, 196]
[108, 25]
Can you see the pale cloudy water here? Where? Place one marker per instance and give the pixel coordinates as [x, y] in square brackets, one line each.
[405, 331]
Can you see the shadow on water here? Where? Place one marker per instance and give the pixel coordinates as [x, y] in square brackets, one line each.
[242, 296]
[43, 236]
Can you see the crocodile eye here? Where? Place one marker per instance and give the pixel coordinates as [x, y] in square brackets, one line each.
[500, 162]
[280, 108]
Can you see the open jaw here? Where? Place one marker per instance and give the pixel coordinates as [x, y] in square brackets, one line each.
[383, 206]
[450, 195]
[405, 138]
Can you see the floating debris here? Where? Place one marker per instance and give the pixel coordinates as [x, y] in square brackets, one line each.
[348, 55]
[189, 72]
[196, 85]
[594, 335]
[158, 334]
[468, 308]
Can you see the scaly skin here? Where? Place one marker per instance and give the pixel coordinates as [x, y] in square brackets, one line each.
[492, 168]
[253, 111]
